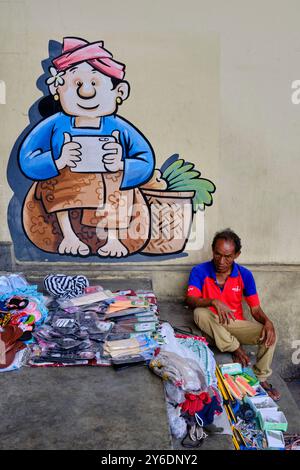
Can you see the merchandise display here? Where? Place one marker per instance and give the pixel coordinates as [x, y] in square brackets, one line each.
[95, 327]
[83, 325]
[255, 419]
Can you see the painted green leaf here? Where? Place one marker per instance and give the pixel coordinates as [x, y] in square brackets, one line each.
[203, 189]
[172, 168]
[184, 169]
[181, 176]
[184, 178]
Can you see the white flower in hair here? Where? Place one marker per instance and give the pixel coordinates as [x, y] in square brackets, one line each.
[56, 78]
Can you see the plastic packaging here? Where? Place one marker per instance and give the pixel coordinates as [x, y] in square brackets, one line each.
[12, 282]
[231, 368]
[86, 299]
[21, 359]
[183, 372]
[178, 424]
[175, 395]
[190, 348]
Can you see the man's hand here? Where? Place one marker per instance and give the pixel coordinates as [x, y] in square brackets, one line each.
[113, 158]
[224, 312]
[239, 355]
[268, 335]
[70, 153]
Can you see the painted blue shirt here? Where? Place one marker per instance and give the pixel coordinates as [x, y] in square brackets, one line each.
[43, 146]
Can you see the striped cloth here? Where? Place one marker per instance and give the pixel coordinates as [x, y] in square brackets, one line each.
[65, 287]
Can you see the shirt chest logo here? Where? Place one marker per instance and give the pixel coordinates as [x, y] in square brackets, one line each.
[236, 289]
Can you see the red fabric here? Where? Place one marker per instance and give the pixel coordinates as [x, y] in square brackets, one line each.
[231, 295]
[252, 300]
[194, 291]
[195, 402]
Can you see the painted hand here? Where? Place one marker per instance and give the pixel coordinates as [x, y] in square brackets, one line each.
[113, 158]
[70, 153]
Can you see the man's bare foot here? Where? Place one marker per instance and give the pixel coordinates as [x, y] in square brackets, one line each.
[271, 391]
[239, 355]
[71, 245]
[114, 248]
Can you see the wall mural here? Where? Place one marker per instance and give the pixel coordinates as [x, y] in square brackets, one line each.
[96, 190]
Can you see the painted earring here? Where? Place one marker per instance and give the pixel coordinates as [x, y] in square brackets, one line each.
[56, 97]
[119, 100]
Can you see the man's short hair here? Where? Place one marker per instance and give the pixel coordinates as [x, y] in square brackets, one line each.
[230, 236]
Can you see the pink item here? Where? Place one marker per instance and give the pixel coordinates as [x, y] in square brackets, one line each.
[198, 338]
[31, 309]
[77, 50]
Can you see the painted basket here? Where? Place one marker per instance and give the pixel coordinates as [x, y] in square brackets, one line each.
[171, 217]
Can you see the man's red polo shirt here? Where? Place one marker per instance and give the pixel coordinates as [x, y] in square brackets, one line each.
[240, 283]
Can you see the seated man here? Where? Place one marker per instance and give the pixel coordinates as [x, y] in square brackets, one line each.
[215, 292]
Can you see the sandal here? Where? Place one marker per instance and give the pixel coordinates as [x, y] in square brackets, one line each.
[271, 391]
[194, 437]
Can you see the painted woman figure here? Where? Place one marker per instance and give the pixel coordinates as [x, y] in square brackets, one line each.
[74, 207]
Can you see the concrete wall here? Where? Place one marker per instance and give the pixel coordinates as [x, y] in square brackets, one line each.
[210, 80]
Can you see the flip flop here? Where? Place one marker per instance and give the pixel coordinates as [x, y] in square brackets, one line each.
[270, 391]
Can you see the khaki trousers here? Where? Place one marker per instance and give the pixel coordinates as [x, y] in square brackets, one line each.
[228, 338]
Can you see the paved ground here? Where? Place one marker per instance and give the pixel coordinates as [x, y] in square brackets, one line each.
[99, 408]
[294, 388]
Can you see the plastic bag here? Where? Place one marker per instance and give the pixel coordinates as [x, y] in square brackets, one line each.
[178, 424]
[174, 394]
[185, 373]
[192, 349]
[12, 282]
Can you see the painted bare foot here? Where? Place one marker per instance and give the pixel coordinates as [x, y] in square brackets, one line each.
[239, 355]
[114, 248]
[71, 245]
